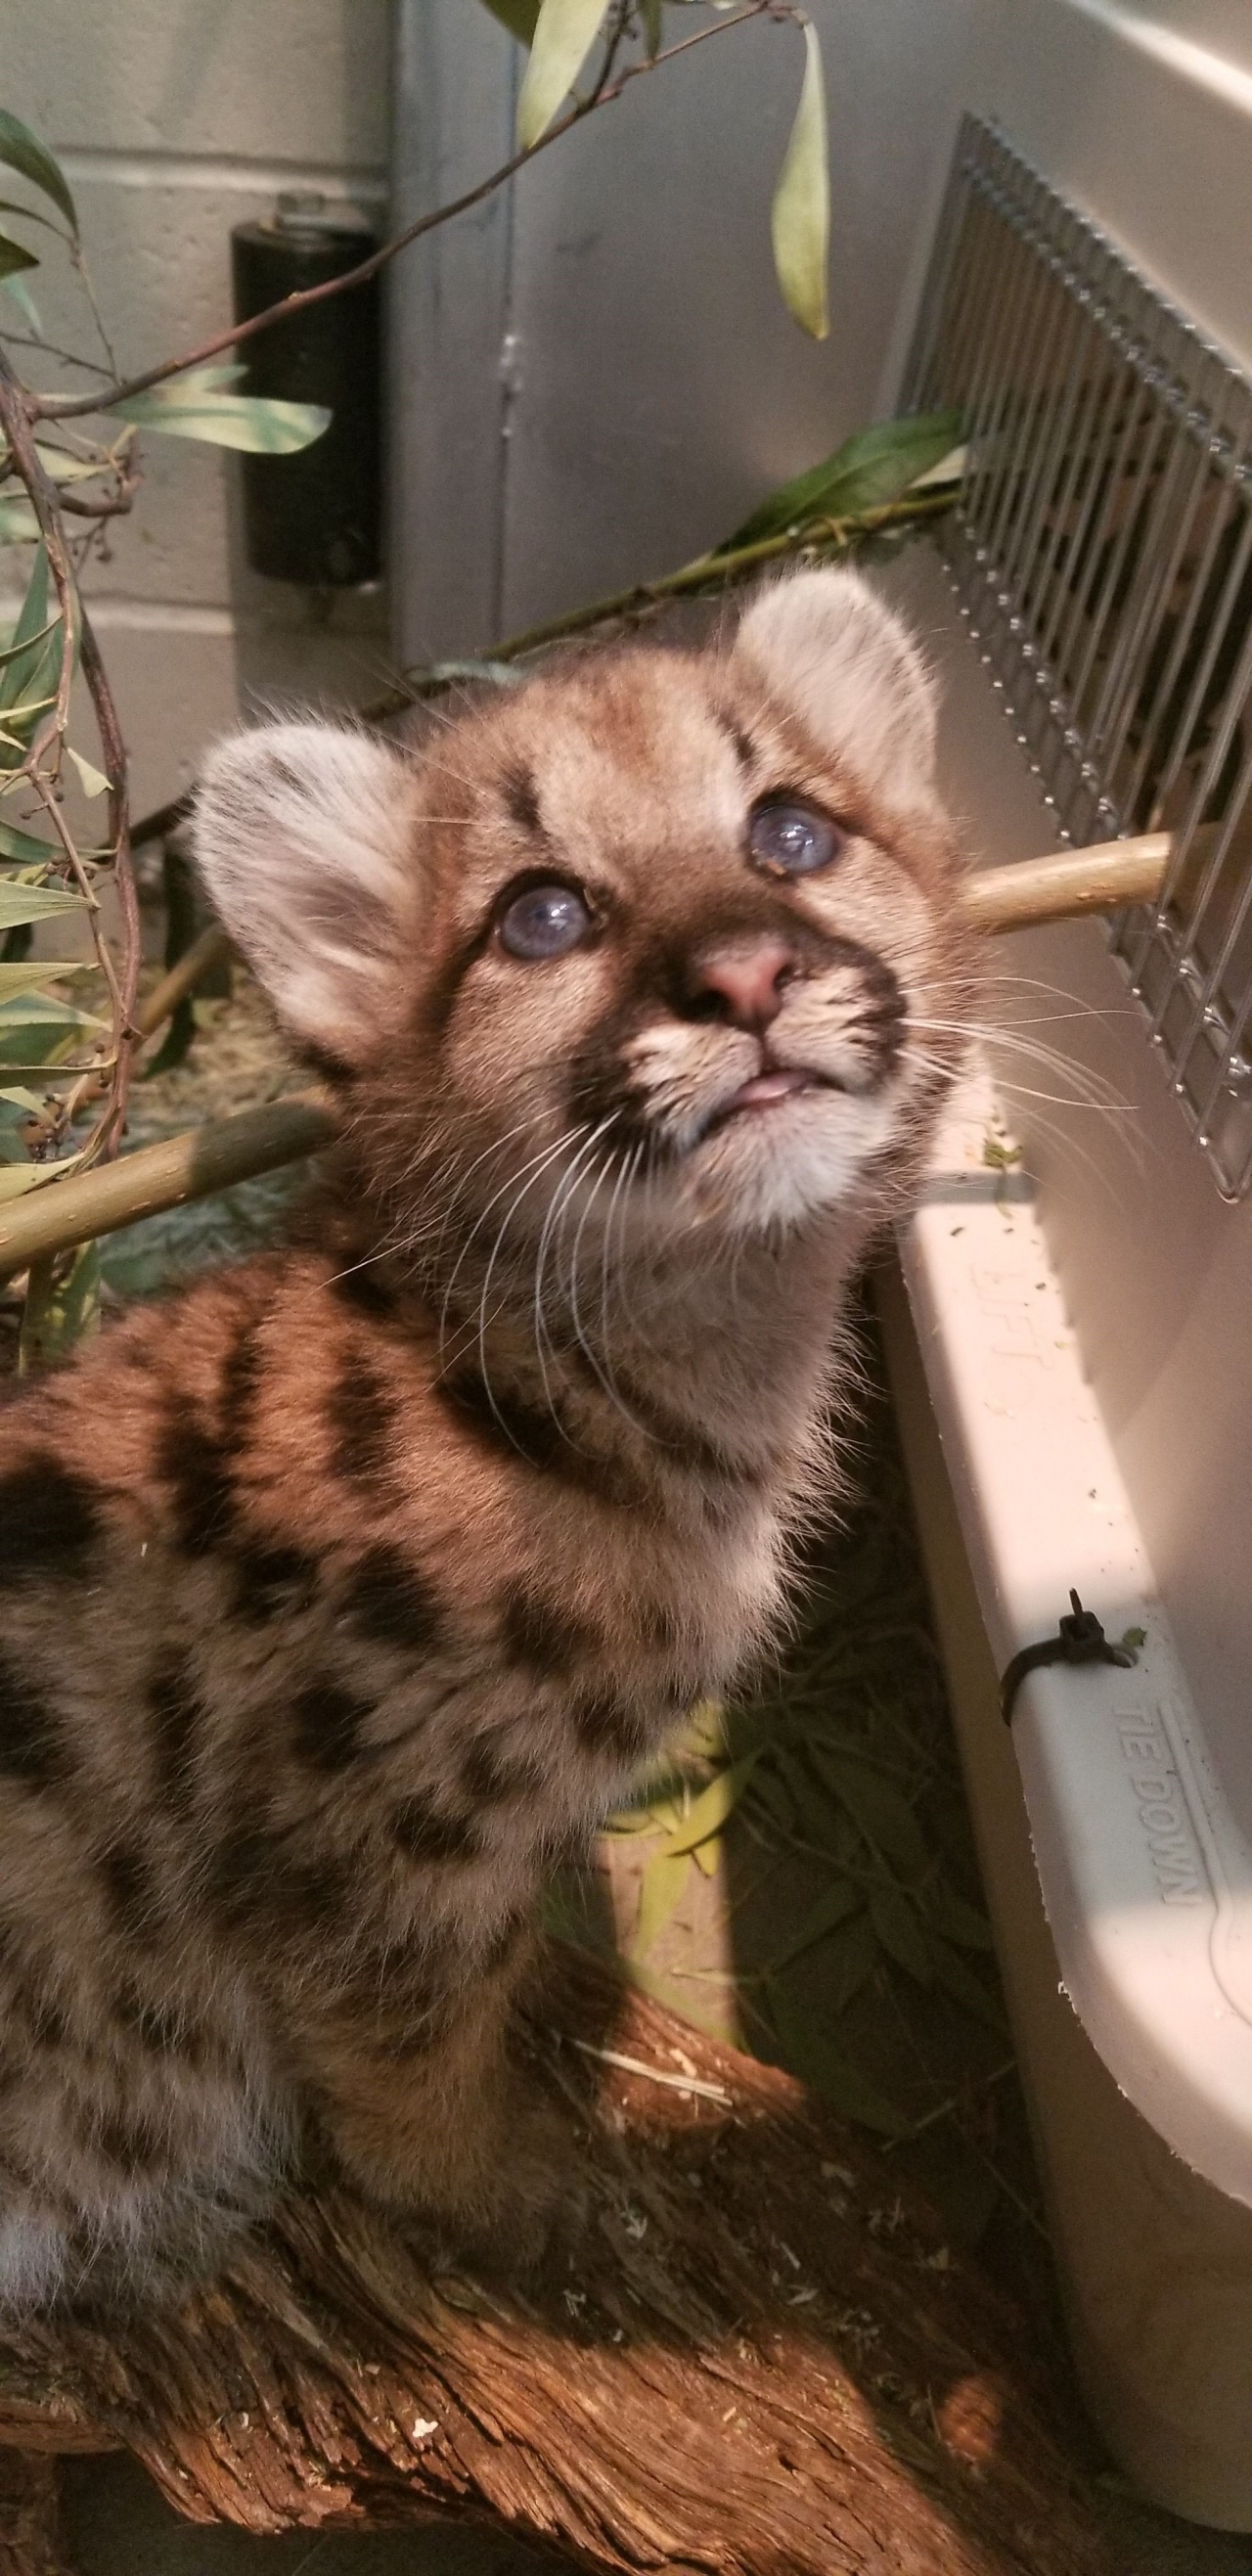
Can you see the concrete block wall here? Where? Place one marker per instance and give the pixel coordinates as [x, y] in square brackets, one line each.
[174, 120]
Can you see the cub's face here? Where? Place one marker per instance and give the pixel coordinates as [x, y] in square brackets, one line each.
[663, 939]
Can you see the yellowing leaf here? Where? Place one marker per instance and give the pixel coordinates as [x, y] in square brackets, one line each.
[33, 972]
[565, 31]
[660, 1889]
[18, 1177]
[22, 903]
[195, 406]
[710, 1810]
[92, 781]
[800, 219]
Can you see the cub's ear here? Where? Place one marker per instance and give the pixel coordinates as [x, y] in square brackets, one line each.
[302, 837]
[828, 649]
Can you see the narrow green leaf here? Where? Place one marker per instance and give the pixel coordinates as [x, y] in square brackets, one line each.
[13, 257]
[770, 1791]
[39, 1031]
[818, 2059]
[825, 1917]
[958, 1921]
[958, 1979]
[650, 19]
[902, 1937]
[17, 523]
[32, 667]
[800, 220]
[194, 406]
[20, 903]
[517, 15]
[25, 302]
[23, 644]
[33, 972]
[876, 1807]
[660, 1889]
[22, 846]
[565, 31]
[22, 150]
[62, 1306]
[710, 1810]
[871, 469]
[33, 621]
[18, 1104]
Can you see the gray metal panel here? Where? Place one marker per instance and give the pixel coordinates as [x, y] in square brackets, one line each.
[455, 78]
[661, 388]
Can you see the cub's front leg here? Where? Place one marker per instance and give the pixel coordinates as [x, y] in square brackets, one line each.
[428, 2113]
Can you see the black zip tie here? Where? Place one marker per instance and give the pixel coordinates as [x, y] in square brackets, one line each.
[1079, 1639]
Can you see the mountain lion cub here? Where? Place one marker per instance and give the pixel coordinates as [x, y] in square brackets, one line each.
[343, 1591]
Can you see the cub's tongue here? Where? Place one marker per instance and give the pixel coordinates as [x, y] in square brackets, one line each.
[765, 1087]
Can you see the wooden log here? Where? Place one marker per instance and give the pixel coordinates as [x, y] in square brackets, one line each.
[761, 2359]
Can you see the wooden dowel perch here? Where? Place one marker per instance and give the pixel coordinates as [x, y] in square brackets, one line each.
[227, 1150]
[761, 2359]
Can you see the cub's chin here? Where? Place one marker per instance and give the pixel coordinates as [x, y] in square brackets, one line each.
[781, 1161]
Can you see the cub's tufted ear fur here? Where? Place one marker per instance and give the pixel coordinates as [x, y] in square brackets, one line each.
[828, 648]
[302, 836]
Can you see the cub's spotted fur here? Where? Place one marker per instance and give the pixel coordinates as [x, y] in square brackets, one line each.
[344, 1591]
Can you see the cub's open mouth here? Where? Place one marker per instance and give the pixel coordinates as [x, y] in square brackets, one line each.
[768, 1091]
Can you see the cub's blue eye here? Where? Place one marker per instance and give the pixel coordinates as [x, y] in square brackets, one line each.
[546, 921]
[793, 840]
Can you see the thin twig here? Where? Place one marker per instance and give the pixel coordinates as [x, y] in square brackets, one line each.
[71, 406]
[705, 575]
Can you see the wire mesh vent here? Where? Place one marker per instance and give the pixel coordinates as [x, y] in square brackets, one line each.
[1102, 553]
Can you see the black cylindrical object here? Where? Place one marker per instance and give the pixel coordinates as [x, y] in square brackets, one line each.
[313, 517]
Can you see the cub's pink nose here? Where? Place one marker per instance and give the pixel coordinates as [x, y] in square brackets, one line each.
[743, 985]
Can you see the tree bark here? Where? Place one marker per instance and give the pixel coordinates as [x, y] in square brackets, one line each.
[761, 2360]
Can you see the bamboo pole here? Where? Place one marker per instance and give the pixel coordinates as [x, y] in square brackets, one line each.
[214, 1157]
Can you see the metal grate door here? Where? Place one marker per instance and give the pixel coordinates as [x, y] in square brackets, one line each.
[1102, 554]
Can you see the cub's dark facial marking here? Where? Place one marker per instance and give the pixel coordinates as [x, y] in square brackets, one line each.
[521, 798]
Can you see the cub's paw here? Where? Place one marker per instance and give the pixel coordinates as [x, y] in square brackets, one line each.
[533, 2205]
